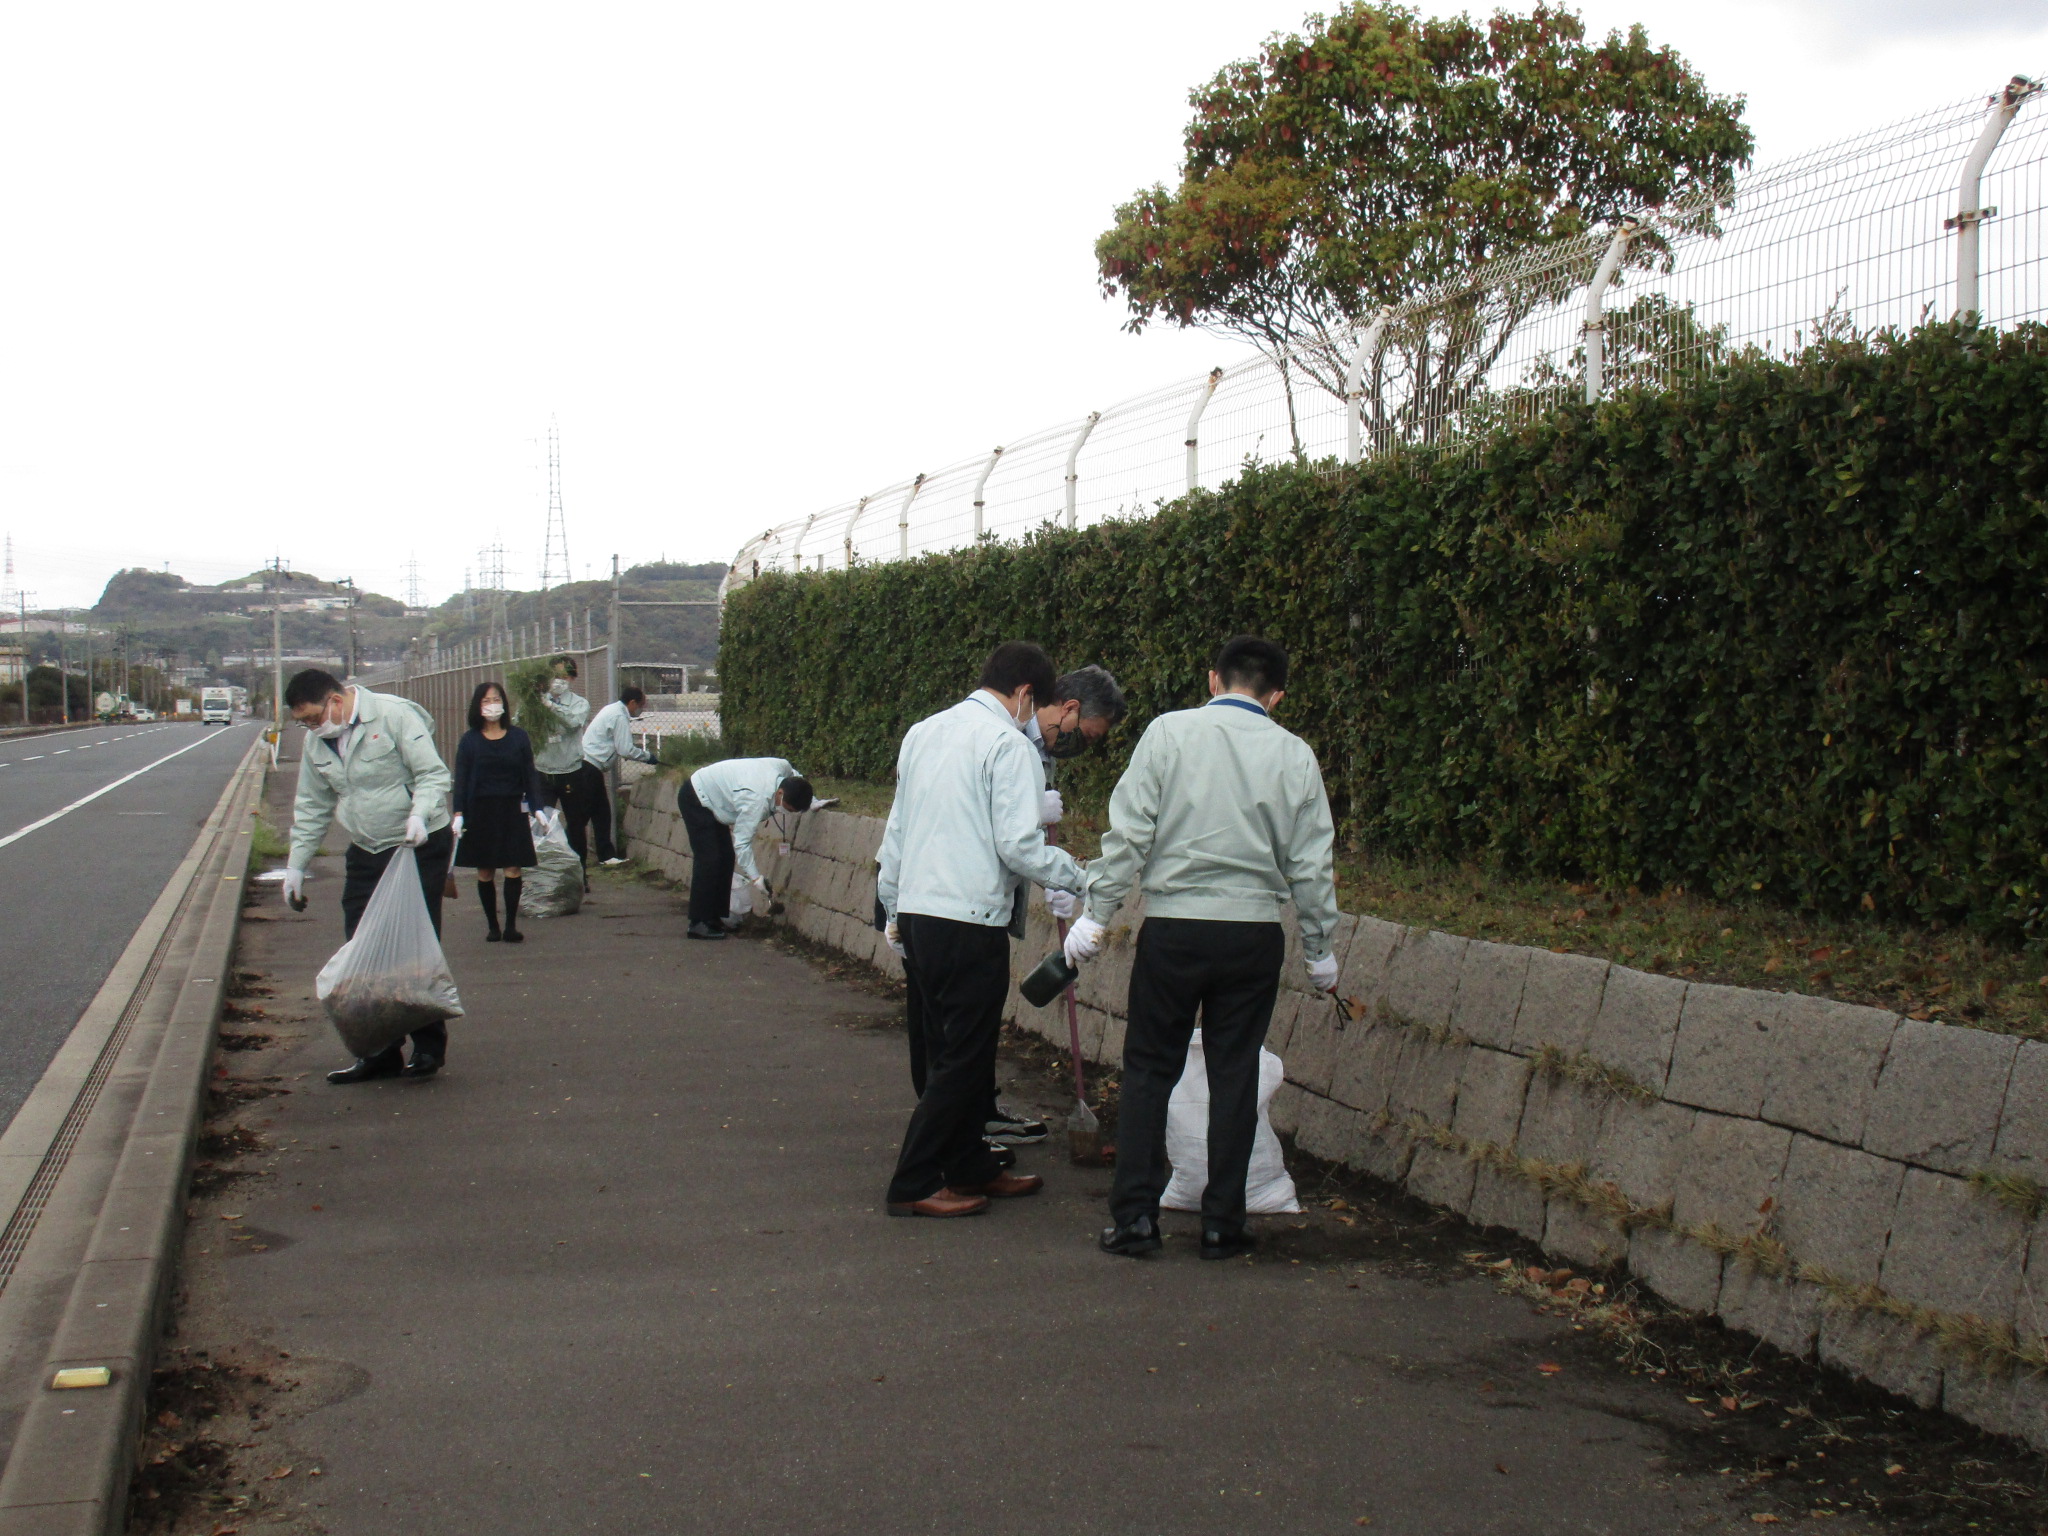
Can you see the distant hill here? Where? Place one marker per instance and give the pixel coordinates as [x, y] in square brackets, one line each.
[161, 617]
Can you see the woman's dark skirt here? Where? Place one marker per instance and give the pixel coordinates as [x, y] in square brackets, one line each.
[495, 835]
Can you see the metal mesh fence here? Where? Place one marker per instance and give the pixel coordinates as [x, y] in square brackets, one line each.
[1852, 239]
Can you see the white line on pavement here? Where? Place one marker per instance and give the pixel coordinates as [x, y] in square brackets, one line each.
[15, 837]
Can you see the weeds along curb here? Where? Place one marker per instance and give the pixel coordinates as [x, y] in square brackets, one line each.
[68, 1470]
[1961, 1335]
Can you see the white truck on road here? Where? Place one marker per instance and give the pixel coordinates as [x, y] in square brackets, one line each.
[216, 706]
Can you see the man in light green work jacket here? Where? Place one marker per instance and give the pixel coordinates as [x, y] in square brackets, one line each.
[370, 767]
[1221, 818]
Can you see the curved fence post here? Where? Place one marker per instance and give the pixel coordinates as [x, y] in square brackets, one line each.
[850, 522]
[1595, 328]
[1194, 427]
[981, 485]
[2005, 107]
[796, 553]
[903, 520]
[1073, 456]
[1354, 382]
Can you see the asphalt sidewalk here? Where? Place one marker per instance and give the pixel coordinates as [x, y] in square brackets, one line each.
[623, 1267]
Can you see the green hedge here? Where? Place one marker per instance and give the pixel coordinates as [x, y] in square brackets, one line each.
[1784, 631]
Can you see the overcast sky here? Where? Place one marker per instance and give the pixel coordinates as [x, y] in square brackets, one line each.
[311, 281]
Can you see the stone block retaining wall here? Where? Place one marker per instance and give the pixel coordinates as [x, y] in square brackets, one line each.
[1851, 1186]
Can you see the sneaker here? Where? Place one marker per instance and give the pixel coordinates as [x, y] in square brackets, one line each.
[1011, 1129]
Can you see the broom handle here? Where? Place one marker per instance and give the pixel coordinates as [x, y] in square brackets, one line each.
[1073, 1012]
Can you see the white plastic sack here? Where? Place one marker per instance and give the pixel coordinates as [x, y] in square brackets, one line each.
[391, 978]
[741, 901]
[554, 886]
[1268, 1189]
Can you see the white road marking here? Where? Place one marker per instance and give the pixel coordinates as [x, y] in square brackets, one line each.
[36, 759]
[58, 815]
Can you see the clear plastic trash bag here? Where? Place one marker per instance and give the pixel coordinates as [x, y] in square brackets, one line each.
[1268, 1188]
[554, 886]
[391, 978]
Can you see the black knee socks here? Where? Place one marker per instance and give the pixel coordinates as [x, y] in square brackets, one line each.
[512, 906]
[487, 894]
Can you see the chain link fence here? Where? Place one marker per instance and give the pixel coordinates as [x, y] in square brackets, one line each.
[1935, 215]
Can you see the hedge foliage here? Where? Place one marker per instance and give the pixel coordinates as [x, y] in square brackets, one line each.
[1781, 632]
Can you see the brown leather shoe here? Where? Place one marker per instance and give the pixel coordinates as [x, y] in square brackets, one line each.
[1006, 1186]
[946, 1202]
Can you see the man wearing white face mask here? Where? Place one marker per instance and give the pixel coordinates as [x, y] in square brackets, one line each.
[964, 834]
[578, 793]
[371, 768]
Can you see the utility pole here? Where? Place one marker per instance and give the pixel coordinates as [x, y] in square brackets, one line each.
[277, 568]
[351, 628]
[63, 678]
[611, 653]
[23, 596]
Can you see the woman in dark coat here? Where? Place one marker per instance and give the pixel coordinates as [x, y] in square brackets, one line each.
[496, 788]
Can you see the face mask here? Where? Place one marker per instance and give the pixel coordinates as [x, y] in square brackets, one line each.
[493, 710]
[328, 729]
[558, 687]
[1066, 744]
[1023, 719]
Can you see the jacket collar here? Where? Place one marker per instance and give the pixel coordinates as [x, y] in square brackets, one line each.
[994, 706]
[1239, 701]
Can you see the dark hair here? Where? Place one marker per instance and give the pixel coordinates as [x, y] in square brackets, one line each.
[476, 703]
[565, 661]
[631, 695]
[797, 793]
[1015, 663]
[1100, 697]
[311, 686]
[1255, 665]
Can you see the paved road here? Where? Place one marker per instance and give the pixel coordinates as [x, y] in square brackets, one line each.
[76, 879]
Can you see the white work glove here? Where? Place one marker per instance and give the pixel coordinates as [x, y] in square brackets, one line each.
[294, 885]
[1049, 807]
[415, 830]
[1065, 905]
[1084, 940]
[895, 940]
[760, 883]
[1323, 973]
[558, 687]
[456, 825]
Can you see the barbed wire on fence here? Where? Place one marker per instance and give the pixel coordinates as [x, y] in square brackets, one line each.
[1886, 229]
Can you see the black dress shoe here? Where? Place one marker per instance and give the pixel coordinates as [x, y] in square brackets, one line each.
[514, 936]
[363, 1071]
[423, 1064]
[1131, 1240]
[706, 931]
[1218, 1244]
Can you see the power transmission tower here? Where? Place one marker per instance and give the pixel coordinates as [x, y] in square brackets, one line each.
[555, 569]
[491, 578]
[468, 598]
[412, 582]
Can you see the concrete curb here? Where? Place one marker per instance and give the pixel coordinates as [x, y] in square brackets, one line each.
[72, 1455]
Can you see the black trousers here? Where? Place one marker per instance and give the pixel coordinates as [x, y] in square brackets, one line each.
[913, 1016]
[361, 870]
[959, 976]
[712, 857]
[586, 804]
[1229, 973]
